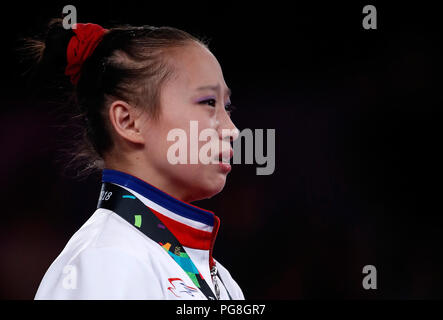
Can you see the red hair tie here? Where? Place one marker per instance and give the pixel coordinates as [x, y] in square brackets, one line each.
[82, 44]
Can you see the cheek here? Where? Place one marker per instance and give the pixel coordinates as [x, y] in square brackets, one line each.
[195, 176]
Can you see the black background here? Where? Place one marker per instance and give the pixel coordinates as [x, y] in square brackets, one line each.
[358, 162]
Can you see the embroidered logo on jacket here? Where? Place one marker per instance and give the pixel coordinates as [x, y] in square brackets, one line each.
[179, 287]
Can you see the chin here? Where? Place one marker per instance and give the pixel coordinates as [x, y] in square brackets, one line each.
[210, 188]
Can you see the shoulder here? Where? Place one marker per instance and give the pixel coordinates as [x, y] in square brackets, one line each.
[106, 231]
[99, 273]
[232, 286]
[99, 262]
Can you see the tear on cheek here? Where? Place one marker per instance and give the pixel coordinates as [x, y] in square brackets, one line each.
[214, 122]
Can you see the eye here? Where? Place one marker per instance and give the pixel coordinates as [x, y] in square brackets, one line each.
[210, 102]
[229, 108]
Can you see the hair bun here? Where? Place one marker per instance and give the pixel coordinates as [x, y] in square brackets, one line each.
[56, 43]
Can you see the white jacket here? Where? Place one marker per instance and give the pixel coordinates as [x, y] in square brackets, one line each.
[108, 258]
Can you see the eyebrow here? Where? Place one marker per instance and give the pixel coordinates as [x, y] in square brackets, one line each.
[214, 88]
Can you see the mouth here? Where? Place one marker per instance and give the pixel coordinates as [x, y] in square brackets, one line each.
[225, 156]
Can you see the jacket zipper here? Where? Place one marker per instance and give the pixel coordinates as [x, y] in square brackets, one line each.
[214, 280]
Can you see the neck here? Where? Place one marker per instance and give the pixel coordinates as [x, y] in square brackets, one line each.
[147, 173]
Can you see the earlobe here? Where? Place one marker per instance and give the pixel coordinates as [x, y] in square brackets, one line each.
[123, 120]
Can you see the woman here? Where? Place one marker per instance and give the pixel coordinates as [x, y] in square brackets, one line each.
[134, 86]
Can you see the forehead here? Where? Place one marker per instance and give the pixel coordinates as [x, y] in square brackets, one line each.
[196, 66]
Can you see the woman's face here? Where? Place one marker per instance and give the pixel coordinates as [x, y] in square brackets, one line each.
[197, 92]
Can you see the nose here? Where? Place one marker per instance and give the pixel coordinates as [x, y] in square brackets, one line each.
[227, 130]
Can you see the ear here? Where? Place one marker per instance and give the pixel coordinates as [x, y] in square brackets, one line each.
[125, 119]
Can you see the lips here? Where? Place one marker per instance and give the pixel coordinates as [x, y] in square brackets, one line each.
[225, 155]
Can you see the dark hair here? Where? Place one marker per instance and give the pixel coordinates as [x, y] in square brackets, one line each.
[130, 63]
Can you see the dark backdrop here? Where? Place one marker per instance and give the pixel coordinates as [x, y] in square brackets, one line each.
[358, 163]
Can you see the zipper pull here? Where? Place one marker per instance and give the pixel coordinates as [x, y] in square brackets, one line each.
[214, 280]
